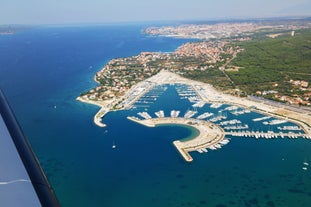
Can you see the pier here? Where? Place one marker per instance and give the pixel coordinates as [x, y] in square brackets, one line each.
[212, 132]
[210, 135]
[268, 134]
[98, 117]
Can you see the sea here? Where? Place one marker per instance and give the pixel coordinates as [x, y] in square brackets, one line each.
[44, 69]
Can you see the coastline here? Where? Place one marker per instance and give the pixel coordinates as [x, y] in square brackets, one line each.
[205, 91]
[104, 109]
[144, 169]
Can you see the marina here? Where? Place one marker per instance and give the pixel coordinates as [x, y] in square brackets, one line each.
[147, 98]
[220, 120]
[204, 97]
[213, 132]
[215, 118]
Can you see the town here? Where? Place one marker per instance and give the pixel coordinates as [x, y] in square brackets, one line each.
[121, 74]
[211, 59]
[223, 30]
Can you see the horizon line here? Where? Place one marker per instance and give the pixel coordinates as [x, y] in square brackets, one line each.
[182, 21]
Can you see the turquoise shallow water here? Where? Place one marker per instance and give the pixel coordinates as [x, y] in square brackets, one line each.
[45, 69]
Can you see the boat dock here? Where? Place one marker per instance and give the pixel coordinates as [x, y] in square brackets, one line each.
[268, 134]
[212, 135]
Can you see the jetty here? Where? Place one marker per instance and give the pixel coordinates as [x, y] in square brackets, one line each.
[210, 136]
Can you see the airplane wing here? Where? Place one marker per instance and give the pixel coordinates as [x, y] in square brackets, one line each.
[22, 180]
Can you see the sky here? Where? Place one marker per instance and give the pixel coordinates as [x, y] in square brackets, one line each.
[106, 11]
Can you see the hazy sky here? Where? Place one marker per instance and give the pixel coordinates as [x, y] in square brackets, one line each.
[97, 11]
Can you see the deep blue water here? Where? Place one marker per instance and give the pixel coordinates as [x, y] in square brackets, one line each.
[43, 70]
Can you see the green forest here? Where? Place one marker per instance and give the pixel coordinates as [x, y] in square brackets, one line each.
[269, 61]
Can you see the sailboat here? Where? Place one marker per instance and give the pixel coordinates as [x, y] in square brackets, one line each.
[114, 145]
[305, 165]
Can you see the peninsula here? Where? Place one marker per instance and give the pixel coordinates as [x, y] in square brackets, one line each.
[207, 66]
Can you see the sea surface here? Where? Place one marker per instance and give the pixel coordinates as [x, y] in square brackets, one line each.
[44, 69]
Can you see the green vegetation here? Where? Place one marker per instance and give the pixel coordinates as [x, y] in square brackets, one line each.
[212, 76]
[266, 61]
[277, 68]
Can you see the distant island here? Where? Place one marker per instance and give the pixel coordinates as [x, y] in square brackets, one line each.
[240, 60]
[12, 29]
